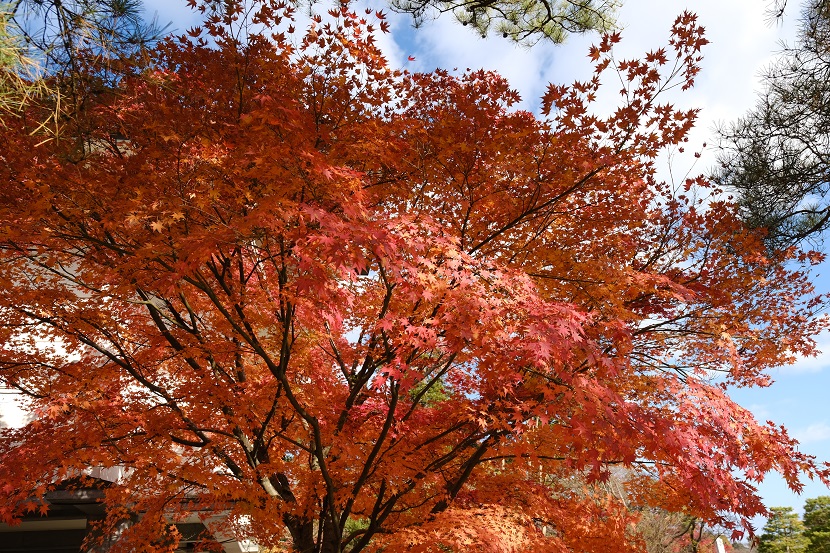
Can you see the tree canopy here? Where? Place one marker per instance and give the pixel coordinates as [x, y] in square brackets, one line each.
[777, 156]
[269, 281]
[817, 524]
[783, 533]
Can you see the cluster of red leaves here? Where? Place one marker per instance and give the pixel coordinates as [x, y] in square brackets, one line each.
[351, 309]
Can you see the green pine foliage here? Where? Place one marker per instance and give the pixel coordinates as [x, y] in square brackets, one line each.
[783, 533]
[523, 21]
[19, 73]
[776, 158]
[817, 524]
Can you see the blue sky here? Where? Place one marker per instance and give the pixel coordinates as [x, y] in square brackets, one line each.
[743, 42]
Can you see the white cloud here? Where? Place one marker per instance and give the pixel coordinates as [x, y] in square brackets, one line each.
[816, 432]
[760, 410]
[449, 45]
[742, 44]
[808, 365]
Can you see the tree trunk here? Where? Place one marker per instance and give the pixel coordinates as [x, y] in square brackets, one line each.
[302, 533]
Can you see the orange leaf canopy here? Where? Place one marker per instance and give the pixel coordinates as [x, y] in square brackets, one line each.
[336, 307]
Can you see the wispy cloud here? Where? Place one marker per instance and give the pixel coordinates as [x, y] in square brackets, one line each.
[742, 44]
[810, 365]
[816, 432]
[760, 410]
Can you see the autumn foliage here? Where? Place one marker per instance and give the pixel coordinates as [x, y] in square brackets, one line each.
[352, 309]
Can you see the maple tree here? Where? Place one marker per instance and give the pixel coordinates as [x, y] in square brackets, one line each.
[271, 282]
[657, 529]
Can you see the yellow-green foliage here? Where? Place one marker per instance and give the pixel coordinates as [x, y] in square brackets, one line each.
[19, 74]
